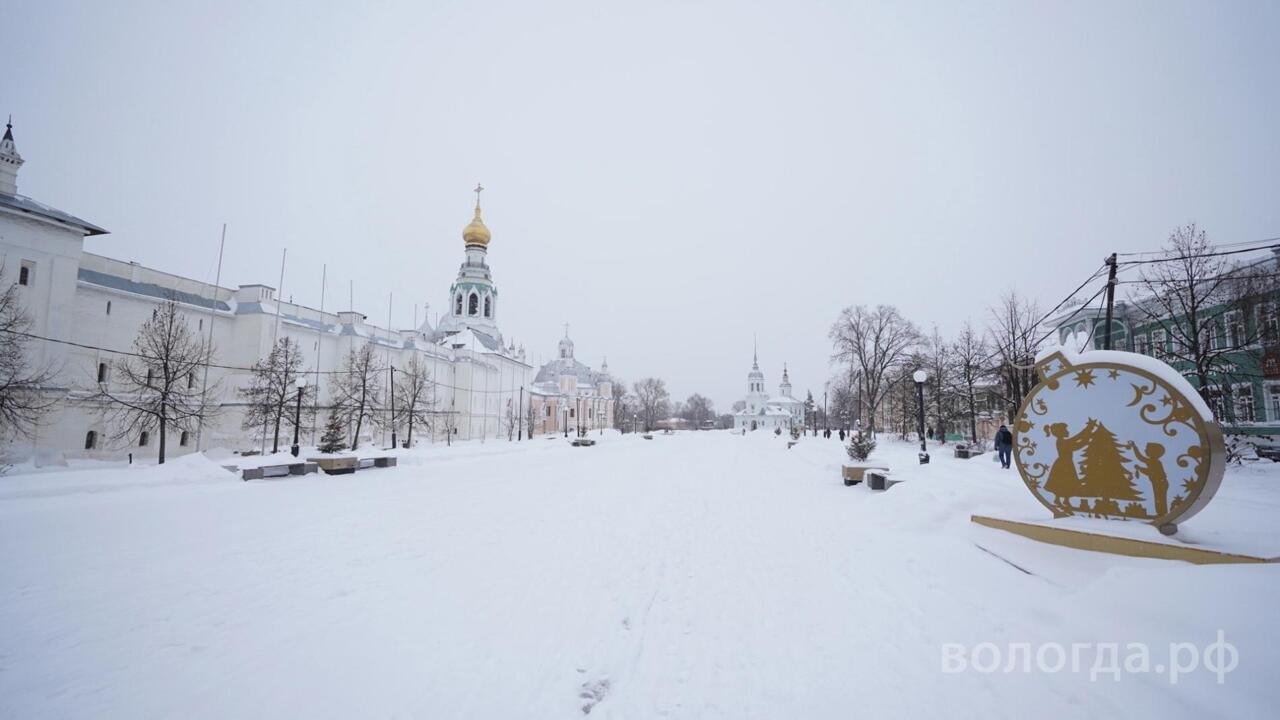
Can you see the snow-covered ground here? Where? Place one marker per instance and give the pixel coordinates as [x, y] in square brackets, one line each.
[699, 575]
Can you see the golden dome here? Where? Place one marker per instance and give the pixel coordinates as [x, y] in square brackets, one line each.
[476, 233]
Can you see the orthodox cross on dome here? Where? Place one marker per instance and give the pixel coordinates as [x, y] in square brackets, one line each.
[566, 329]
[479, 189]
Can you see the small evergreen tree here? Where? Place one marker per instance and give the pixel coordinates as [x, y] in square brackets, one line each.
[861, 446]
[334, 438]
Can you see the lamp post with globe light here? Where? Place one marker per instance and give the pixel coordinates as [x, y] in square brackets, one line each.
[920, 376]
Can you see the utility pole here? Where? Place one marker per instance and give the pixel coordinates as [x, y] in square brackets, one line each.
[1111, 298]
[520, 416]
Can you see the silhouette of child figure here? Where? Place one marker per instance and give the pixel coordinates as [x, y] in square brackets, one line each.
[1153, 468]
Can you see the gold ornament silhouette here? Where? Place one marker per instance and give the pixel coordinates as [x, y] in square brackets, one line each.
[1106, 434]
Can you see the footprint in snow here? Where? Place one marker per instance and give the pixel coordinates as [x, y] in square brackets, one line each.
[593, 691]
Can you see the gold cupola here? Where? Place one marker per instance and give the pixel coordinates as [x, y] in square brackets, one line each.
[475, 233]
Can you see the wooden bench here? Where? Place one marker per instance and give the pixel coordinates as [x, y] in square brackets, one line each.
[336, 465]
[792, 443]
[854, 474]
[275, 471]
[647, 436]
[964, 452]
[582, 442]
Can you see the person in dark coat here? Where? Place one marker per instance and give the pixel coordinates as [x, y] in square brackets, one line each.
[1004, 446]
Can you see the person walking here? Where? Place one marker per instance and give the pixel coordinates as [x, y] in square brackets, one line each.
[1004, 446]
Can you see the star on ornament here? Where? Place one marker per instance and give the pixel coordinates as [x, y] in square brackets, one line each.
[1084, 378]
[1166, 400]
[1113, 374]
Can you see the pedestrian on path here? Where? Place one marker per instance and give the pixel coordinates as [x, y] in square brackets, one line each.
[1004, 446]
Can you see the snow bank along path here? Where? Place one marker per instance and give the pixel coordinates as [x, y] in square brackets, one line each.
[700, 575]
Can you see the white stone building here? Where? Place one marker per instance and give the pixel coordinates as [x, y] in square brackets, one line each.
[567, 395]
[86, 309]
[769, 413]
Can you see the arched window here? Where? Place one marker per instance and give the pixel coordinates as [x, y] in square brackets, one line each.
[473, 304]
[102, 372]
[457, 305]
[487, 307]
[90, 440]
[186, 437]
[143, 438]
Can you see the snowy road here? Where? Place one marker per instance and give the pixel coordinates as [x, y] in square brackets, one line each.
[701, 575]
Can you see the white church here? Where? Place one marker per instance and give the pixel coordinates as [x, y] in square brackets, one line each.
[761, 412]
[86, 309]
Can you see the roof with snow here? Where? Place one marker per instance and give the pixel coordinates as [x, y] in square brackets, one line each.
[26, 206]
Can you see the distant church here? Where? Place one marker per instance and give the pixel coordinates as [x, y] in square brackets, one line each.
[762, 412]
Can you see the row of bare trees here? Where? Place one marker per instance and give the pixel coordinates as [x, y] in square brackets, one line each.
[157, 388]
[1215, 312]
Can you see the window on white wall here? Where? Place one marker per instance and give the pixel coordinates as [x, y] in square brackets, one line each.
[108, 307]
[102, 372]
[27, 273]
[90, 440]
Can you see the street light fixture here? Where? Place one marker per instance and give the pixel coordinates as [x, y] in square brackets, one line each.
[301, 384]
[920, 376]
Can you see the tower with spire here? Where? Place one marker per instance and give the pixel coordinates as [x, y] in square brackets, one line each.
[10, 161]
[473, 297]
[756, 395]
[784, 388]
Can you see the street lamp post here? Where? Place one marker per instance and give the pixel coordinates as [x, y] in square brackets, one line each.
[392, 390]
[920, 376]
[301, 384]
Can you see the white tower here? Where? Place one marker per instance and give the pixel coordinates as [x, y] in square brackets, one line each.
[473, 298]
[10, 161]
[756, 396]
[784, 388]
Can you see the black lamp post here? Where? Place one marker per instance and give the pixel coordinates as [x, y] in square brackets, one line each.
[392, 389]
[297, 414]
[920, 376]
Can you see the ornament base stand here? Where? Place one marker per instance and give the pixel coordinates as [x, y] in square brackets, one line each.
[1117, 544]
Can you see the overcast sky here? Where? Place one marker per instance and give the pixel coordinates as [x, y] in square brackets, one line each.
[667, 177]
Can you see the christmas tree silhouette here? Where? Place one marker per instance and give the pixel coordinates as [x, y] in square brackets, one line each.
[1102, 469]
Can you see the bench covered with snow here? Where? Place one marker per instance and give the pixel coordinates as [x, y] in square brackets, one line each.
[854, 474]
[273, 471]
[582, 442]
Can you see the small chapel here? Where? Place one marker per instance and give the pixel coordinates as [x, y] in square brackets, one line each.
[781, 412]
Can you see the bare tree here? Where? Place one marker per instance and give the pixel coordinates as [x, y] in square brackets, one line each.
[416, 392]
[875, 343]
[272, 391]
[1016, 339]
[510, 419]
[448, 422]
[623, 409]
[1203, 303]
[24, 399]
[698, 409]
[357, 389]
[155, 387]
[968, 370]
[654, 402]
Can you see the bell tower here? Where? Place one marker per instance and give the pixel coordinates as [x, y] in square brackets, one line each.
[10, 161]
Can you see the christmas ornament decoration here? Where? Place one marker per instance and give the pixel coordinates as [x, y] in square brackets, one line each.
[1117, 435]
